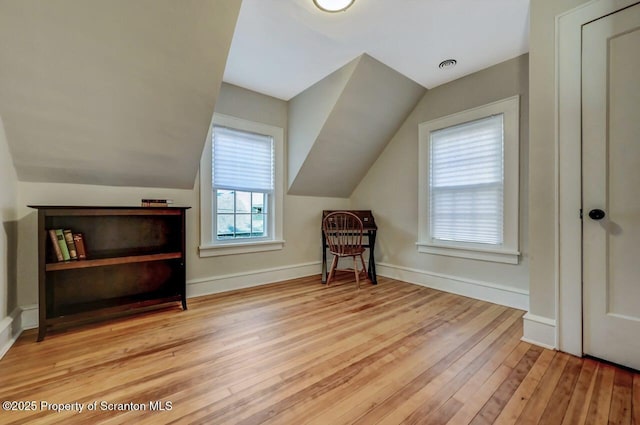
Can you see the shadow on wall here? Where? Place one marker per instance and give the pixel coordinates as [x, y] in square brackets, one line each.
[27, 261]
[11, 232]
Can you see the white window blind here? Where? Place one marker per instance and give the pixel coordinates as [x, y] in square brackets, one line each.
[242, 160]
[466, 182]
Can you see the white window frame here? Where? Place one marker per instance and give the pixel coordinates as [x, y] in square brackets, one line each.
[508, 251]
[209, 245]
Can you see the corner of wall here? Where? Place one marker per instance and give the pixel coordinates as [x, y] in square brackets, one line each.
[9, 312]
[539, 331]
[10, 330]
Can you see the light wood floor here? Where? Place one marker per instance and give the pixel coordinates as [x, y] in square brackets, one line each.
[297, 352]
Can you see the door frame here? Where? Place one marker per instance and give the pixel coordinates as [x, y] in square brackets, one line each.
[568, 181]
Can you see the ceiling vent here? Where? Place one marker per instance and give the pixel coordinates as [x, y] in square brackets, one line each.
[448, 63]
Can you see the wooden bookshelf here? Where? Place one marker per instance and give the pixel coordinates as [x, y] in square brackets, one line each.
[135, 262]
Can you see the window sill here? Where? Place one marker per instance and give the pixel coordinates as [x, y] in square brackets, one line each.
[473, 253]
[239, 248]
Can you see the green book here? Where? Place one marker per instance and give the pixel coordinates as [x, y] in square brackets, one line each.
[63, 245]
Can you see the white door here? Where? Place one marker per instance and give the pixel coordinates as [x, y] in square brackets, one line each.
[611, 186]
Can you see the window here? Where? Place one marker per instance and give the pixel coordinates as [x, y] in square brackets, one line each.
[241, 214]
[468, 199]
[241, 188]
[465, 182]
[242, 183]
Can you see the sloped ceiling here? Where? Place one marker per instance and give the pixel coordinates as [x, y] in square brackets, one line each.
[339, 126]
[294, 44]
[115, 92]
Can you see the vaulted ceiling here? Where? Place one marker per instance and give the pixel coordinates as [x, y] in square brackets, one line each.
[115, 92]
[121, 92]
[339, 126]
[294, 45]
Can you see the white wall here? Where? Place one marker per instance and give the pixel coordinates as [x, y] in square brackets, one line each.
[301, 254]
[99, 92]
[8, 243]
[390, 189]
[309, 111]
[542, 155]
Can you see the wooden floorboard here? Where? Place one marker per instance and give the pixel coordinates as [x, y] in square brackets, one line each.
[297, 352]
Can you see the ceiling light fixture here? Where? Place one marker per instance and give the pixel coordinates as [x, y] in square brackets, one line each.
[333, 5]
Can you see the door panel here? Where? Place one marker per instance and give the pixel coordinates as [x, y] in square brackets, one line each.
[611, 182]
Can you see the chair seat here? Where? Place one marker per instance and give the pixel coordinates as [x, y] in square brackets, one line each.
[349, 251]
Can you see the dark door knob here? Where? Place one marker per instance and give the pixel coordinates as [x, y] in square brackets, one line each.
[596, 214]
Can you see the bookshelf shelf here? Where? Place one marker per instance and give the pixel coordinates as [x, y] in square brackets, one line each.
[135, 262]
[69, 265]
[87, 311]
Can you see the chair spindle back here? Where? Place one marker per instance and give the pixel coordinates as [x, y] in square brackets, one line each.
[343, 231]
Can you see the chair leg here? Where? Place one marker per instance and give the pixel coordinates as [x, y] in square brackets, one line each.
[334, 263]
[356, 271]
[364, 268]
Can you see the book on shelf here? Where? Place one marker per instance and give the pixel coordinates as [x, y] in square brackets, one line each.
[62, 243]
[78, 239]
[156, 202]
[56, 247]
[68, 237]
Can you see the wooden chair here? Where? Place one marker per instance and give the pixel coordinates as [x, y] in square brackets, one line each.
[343, 231]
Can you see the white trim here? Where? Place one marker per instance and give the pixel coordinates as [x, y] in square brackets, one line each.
[29, 316]
[231, 282]
[10, 330]
[510, 107]
[568, 169]
[481, 290]
[239, 248]
[12, 326]
[208, 246]
[539, 330]
[494, 255]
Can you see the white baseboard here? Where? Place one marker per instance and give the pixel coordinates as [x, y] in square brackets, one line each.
[10, 330]
[29, 316]
[485, 291]
[539, 330]
[230, 282]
